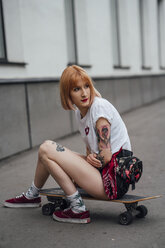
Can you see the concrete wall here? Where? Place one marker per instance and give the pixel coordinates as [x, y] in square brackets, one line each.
[14, 136]
[47, 119]
[31, 113]
[132, 92]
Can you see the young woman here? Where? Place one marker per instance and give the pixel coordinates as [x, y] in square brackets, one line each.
[105, 136]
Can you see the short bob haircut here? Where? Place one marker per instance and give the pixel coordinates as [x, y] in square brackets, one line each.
[69, 78]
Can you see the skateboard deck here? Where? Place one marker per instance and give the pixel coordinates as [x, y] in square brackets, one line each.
[57, 197]
[58, 192]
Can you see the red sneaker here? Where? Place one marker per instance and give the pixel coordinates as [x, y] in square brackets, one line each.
[23, 202]
[69, 216]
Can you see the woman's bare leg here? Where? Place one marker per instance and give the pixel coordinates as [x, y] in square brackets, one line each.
[64, 165]
[41, 174]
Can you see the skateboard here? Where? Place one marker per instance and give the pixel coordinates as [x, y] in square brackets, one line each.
[56, 198]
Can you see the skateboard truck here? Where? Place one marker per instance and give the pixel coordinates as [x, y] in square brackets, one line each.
[132, 210]
[54, 202]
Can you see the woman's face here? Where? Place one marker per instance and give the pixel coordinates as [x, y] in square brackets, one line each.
[81, 95]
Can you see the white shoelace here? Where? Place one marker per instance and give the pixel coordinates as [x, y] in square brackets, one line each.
[19, 196]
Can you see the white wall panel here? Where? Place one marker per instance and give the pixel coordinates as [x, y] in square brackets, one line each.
[44, 37]
[36, 33]
[161, 32]
[100, 44]
[123, 19]
[83, 54]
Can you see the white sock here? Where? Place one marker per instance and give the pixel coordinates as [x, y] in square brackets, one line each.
[32, 192]
[76, 202]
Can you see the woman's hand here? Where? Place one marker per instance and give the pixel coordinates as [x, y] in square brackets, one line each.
[91, 159]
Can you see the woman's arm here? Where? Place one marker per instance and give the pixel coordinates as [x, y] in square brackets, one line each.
[90, 158]
[103, 131]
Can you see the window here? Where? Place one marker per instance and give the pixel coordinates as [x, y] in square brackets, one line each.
[71, 31]
[119, 27]
[115, 33]
[76, 30]
[2, 35]
[161, 33]
[145, 29]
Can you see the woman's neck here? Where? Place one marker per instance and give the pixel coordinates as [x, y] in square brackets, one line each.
[83, 112]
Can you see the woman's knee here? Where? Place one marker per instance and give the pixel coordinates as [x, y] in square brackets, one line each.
[44, 149]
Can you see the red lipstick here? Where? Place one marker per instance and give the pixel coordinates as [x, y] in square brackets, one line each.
[85, 100]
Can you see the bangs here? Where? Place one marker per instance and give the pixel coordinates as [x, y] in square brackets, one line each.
[76, 77]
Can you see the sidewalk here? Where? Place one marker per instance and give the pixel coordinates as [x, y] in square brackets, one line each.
[29, 228]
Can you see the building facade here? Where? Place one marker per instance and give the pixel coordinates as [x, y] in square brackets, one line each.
[120, 43]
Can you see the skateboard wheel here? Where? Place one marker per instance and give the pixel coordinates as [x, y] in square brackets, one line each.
[142, 211]
[125, 218]
[48, 209]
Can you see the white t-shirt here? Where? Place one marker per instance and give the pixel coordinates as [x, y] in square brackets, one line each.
[102, 108]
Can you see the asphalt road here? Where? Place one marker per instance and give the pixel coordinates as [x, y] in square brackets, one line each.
[28, 228]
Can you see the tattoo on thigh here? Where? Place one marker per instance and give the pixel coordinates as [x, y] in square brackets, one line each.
[60, 148]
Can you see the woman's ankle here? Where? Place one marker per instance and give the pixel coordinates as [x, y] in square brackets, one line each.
[33, 192]
[76, 202]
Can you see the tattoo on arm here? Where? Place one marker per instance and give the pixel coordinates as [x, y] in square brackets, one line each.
[103, 138]
[59, 147]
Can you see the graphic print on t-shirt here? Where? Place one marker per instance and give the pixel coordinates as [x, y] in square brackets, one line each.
[86, 130]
